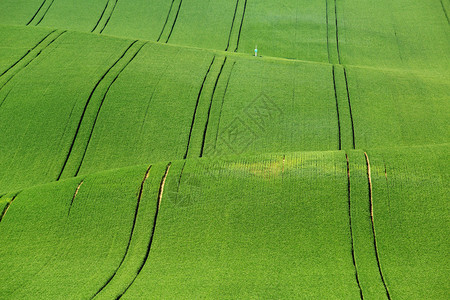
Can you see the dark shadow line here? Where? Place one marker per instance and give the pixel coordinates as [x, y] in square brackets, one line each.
[26, 65]
[337, 33]
[85, 108]
[210, 106]
[240, 27]
[101, 16]
[7, 207]
[221, 106]
[35, 14]
[174, 21]
[328, 40]
[369, 181]
[350, 108]
[165, 23]
[337, 104]
[351, 228]
[131, 233]
[101, 104]
[445, 11]
[232, 25]
[45, 13]
[109, 18]
[196, 106]
[147, 253]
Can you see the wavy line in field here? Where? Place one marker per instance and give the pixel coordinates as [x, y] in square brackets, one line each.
[101, 16]
[240, 26]
[337, 32]
[337, 106]
[350, 107]
[147, 253]
[210, 106]
[221, 105]
[165, 22]
[45, 13]
[196, 107]
[232, 25]
[351, 228]
[174, 21]
[445, 11]
[86, 105]
[369, 180]
[35, 14]
[7, 207]
[328, 39]
[33, 58]
[109, 17]
[73, 198]
[103, 100]
[131, 233]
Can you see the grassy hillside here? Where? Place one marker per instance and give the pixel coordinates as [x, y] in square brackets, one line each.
[145, 152]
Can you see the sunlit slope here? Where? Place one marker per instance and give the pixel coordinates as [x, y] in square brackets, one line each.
[271, 225]
[410, 34]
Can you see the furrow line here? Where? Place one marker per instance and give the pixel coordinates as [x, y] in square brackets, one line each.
[31, 60]
[174, 21]
[196, 106]
[351, 228]
[158, 204]
[35, 14]
[45, 13]
[85, 108]
[328, 40]
[101, 16]
[337, 32]
[369, 180]
[350, 108]
[74, 195]
[179, 181]
[7, 207]
[337, 105]
[445, 11]
[165, 23]
[232, 25]
[101, 104]
[240, 26]
[221, 106]
[131, 233]
[210, 106]
[109, 17]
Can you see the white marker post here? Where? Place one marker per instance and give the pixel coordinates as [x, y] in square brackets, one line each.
[256, 50]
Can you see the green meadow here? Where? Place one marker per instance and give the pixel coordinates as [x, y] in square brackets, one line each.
[146, 152]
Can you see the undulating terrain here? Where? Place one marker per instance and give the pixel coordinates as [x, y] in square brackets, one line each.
[147, 153]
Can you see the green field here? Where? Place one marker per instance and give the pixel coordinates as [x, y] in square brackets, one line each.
[146, 153]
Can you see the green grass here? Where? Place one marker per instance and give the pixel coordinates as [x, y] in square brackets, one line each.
[317, 170]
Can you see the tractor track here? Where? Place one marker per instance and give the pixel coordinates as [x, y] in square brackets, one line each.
[445, 11]
[174, 21]
[45, 13]
[350, 108]
[74, 195]
[7, 207]
[35, 14]
[210, 106]
[103, 100]
[232, 25]
[31, 60]
[165, 23]
[109, 17]
[131, 233]
[351, 228]
[337, 105]
[328, 40]
[221, 105]
[86, 106]
[240, 27]
[196, 106]
[147, 253]
[101, 16]
[337, 32]
[369, 181]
